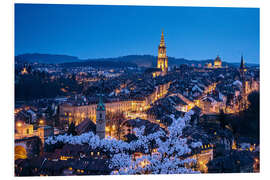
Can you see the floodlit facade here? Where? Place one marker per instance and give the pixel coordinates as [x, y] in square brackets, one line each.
[74, 113]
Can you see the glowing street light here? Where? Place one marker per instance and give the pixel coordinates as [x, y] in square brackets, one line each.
[19, 124]
[41, 122]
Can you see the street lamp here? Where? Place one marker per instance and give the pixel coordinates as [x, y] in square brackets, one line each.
[41, 122]
[19, 124]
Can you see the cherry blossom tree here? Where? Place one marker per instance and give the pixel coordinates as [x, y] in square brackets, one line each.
[161, 152]
[169, 156]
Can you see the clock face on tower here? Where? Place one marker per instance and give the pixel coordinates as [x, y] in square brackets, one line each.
[100, 120]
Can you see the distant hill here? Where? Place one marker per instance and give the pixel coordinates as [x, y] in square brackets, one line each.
[46, 58]
[140, 61]
[100, 63]
[151, 61]
[130, 60]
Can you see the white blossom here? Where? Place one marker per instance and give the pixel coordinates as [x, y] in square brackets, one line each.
[167, 159]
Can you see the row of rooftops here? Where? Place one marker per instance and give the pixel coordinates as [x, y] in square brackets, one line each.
[43, 166]
[137, 89]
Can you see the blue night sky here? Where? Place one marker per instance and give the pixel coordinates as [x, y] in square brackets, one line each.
[89, 31]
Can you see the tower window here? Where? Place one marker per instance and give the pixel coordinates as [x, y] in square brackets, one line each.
[100, 116]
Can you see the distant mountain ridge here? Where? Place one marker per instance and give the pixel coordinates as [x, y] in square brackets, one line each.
[130, 60]
[46, 58]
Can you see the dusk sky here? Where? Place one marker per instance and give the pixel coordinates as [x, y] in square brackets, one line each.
[89, 31]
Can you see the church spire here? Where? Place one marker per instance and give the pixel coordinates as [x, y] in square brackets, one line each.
[242, 65]
[162, 57]
[100, 105]
[162, 41]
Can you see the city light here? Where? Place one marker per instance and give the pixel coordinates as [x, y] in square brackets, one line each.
[41, 122]
[19, 124]
[137, 114]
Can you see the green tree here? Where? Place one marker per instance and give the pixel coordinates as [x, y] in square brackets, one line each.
[71, 129]
[222, 119]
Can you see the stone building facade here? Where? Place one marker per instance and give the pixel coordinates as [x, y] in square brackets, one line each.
[77, 113]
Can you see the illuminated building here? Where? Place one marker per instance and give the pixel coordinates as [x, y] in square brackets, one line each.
[24, 130]
[162, 57]
[256, 165]
[202, 157]
[77, 113]
[24, 71]
[184, 105]
[209, 65]
[217, 62]
[73, 113]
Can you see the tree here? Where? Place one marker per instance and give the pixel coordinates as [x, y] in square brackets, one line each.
[222, 119]
[71, 129]
[232, 162]
[248, 121]
[167, 160]
[161, 153]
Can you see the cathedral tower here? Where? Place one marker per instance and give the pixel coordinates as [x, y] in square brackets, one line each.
[242, 71]
[162, 57]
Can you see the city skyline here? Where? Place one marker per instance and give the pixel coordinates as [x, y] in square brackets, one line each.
[125, 30]
[136, 114]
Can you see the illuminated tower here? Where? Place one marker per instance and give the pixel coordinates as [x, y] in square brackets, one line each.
[100, 118]
[242, 71]
[162, 57]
